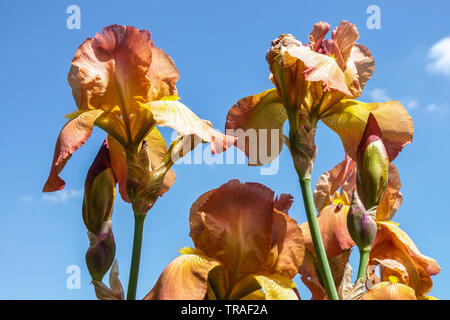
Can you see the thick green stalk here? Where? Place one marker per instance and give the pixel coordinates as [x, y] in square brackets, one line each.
[322, 260]
[136, 256]
[363, 261]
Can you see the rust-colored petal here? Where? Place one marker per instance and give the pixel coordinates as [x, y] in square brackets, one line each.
[237, 226]
[320, 29]
[392, 198]
[111, 69]
[163, 75]
[348, 119]
[72, 136]
[389, 291]
[174, 114]
[330, 181]
[344, 37]
[333, 227]
[283, 202]
[393, 243]
[185, 278]
[249, 117]
[288, 239]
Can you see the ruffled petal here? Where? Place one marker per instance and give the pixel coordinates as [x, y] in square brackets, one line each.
[344, 37]
[235, 226]
[348, 119]
[392, 198]
[362, 65]
[320, 29]
[185, 278]
[111, 69]
[330, 181]
[163, 75]
[174, 114]
[72, 136]
[277, 287]
[389, 291]
[263, 111]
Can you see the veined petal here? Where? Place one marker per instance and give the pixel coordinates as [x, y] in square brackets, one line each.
[320, 68]
[348, 119]
[330, 181]
[288, 239]
[249, 117]
[389, 291]
[185, 278]
[393, 243]
[344, 37]
[277, 287]
[111, 69]
[362, 65]
[174, 114]
[163, 75]
[333, 227]
[72, 136]
[235, 226]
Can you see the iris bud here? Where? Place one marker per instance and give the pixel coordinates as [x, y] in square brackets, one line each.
[360, 224]
[372, 162]
[101, 252]
[99, 191]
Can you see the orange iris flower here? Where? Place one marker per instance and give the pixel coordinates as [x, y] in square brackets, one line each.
[244, 242]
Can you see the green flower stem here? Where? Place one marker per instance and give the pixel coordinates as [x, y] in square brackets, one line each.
[322, 260]
[363, 261]
[136, 256]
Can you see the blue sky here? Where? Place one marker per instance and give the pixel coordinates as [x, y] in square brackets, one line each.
[219, 48]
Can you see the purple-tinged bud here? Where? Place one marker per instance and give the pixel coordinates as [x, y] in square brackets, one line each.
[360, 224]
[99, 191]
[372, 162]
[101, 252]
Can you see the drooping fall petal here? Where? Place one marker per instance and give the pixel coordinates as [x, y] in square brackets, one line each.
[249, 116]
[389, 291]
[348, 119]
[185, 278]
[174, 114]
[393, 243]
[277, 287]
[72, 136]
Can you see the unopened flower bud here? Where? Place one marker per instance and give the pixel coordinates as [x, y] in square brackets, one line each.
[372, 162]
[101, 252]
[99, 191]
[360, 224]
[287, 71]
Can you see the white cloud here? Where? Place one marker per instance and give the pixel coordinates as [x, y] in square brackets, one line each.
[379, 95]
[435, 108]
[410, 104]
[62, 196]
[25, 198]
[439, 55]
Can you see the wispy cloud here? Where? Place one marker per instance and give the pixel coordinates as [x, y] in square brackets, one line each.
[379, 95]
[25, 198]
[60, 197]
[439, 55]
[435, 108]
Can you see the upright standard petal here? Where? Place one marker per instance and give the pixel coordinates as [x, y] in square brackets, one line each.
[111, 69]
[348, 119]
[237, 223]
[254, 120]
[72, 136]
